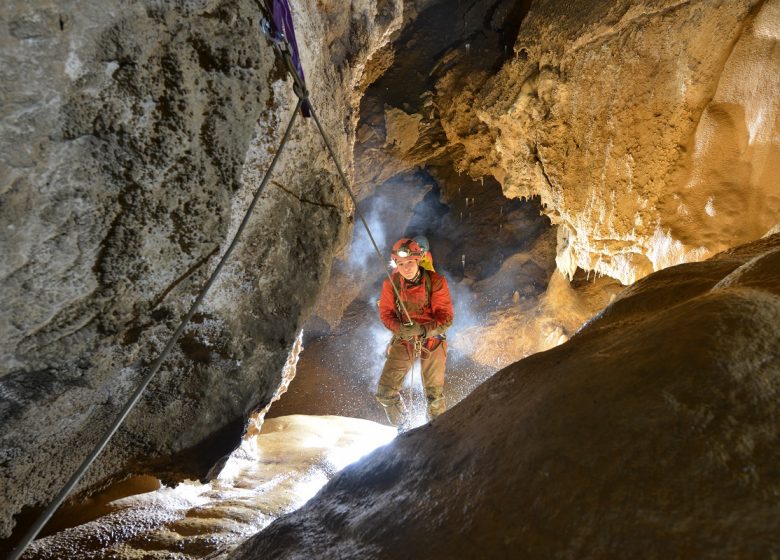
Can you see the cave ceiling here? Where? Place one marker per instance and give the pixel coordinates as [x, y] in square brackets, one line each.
[133, 135]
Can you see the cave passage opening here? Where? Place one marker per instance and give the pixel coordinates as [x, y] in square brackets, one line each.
[498, 254]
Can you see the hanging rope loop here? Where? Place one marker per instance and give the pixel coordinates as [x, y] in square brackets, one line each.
[154, 368]
[283, 50]
[301, 92]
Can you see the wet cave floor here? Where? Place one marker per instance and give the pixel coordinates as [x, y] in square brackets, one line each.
[497, 255]
[272, 473]
[328, 417]
[499, 259]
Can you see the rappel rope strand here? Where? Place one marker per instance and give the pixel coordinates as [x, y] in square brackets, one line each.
[282, 48]
[417, 354]
[303, 96]
[358, 212]
[46, 515]
[300, 90]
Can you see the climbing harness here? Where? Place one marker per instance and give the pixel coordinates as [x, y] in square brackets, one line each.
[278, 34]
[417, 347]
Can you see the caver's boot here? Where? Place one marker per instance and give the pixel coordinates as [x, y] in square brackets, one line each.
[436, 402]
[394, 406]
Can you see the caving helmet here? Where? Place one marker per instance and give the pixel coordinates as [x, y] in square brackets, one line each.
[406, 248]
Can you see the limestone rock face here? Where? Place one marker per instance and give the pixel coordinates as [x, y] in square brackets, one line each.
[411, 112]
[132, 138]
[652, 433]
[650, 130]
[526, 325]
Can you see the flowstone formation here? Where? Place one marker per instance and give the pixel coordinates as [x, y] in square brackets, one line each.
[650, 130]
[271, 474]
[652, 433]
[133, 136]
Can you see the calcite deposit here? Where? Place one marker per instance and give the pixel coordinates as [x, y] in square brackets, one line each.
[133, 135]
[652, 433]
[271, 474]
[650, 130]
[444, 51]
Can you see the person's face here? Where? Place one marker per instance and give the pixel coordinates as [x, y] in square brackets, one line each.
[407, 267]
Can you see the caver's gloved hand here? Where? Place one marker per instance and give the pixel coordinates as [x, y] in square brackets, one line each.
[408, 332]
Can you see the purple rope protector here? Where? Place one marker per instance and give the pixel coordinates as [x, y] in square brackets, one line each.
[284, 29]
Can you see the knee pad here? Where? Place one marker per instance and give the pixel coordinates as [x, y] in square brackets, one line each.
[433, 394]
[387, 396]
[436, 402]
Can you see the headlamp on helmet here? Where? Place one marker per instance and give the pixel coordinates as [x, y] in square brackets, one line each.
[407, 248]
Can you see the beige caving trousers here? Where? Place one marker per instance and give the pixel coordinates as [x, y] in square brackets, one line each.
[400, 358]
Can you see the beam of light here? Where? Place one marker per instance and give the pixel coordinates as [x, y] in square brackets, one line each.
[308, 486]
[367, 441]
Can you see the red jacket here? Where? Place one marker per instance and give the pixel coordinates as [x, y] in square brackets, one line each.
[435, 315]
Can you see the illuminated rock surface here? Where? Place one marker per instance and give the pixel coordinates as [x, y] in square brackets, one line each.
[271, 474]
[133, 136]
[652, 433]
[509, 300]
[650, 130]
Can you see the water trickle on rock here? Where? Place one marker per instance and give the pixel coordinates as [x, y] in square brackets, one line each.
[273, 473]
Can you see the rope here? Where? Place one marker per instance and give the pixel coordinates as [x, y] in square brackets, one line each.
[302, 93]
[416, 357]
[136, 396]
[299, 87]
[357, 209]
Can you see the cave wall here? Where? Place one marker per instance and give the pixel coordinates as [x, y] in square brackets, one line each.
[444, 52]
[649, 130]
[652, 433]
[132, 136]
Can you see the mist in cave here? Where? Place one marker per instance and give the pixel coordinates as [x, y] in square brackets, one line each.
[597, 182]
